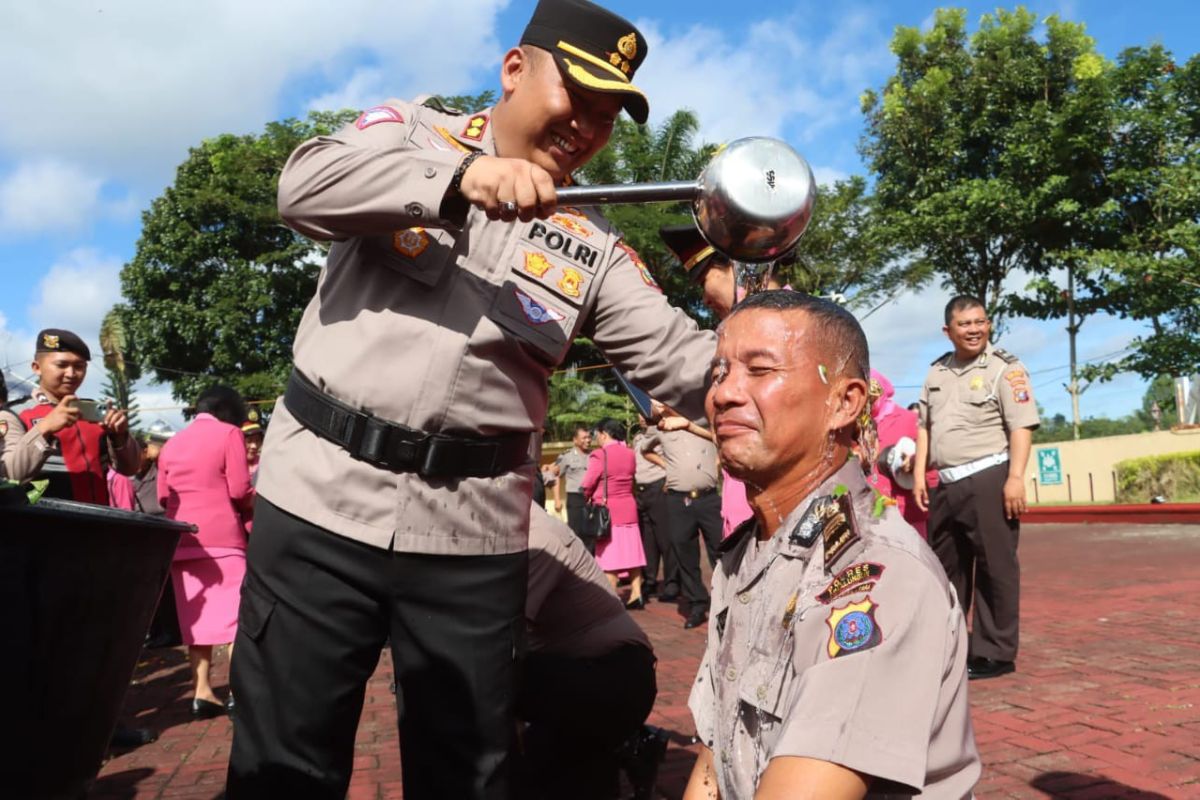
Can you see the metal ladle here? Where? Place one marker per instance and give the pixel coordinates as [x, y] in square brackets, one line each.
[752, 202]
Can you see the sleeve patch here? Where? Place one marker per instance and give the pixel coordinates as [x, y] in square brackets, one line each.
[859, 577]
[373, 116]
[852, 628]
[642, 269]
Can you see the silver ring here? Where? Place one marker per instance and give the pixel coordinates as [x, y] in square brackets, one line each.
[508, 206]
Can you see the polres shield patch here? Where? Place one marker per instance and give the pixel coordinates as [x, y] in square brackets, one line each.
[373, 116]
[852, 628]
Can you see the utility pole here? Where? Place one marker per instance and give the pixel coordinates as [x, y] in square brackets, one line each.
[1072, 331]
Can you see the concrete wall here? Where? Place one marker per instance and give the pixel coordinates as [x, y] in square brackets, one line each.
[1096, 458]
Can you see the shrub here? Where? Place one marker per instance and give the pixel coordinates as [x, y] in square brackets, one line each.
[1175, 476]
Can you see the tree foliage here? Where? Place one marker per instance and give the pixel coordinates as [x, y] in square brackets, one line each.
[987, 148]
[215, 290]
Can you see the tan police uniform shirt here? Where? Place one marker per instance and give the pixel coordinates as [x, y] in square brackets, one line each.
[571, 467]
[646, 472]
[22, 452]
[449, 326]
[838, 639]
[691, 460]
[969, 409]
[571, 610]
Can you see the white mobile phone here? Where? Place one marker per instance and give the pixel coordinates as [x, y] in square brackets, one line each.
[91, 410]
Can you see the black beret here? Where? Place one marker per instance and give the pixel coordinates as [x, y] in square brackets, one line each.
[690, 247]
[593, 46]
[56, 340]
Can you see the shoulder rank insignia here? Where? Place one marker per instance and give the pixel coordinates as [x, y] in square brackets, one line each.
[476, 125]
[852, 628]
[941, 358]
[535, 312]
[410, 242]
[838, 530]
[829, 517]
[1004, 355]
[373, 116]
[859, 577]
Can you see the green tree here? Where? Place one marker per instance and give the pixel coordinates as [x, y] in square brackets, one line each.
[215, 290]
[1160, 392]
[1154, 267]
[120, 370]
[983, 146]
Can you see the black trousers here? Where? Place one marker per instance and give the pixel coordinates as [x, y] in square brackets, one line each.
[978, 549]
[577, 520]
[316, 609]
[656, 539]
[688, 519]
[579, 711]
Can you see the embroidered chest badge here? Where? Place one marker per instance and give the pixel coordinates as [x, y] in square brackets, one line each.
[476, 125]
[3, 428]
[373, 116]
[410, 242]
[853, 628]
[535, 312]
[859, 577]
[537, 264]
[570, 282]
[976, 383]
[571, 225]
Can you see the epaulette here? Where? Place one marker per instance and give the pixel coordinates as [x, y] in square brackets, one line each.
[739, 533]
[941, 358]
[1005, 356]
[438, 104]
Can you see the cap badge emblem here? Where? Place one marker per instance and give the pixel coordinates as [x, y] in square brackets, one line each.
[628, 45]
[50, 341]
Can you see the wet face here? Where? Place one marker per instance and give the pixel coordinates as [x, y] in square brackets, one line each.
[772, 412]
[60, 374]
[968, 331]
[548, 119]
[718, 286]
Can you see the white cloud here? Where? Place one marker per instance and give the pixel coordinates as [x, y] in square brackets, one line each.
[48, 194]
[127, 87]
[827, 176]
[76, 292]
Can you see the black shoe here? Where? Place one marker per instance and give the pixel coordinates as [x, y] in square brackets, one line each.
[131, 737]
[206, 709]
[160, 640]
[229, 704]
[649, 590]
[669, 597]
[640, 757]
[696, 618]
[979, 668]
[636, 605]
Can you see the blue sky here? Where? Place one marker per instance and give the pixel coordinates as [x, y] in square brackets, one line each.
[102, 100]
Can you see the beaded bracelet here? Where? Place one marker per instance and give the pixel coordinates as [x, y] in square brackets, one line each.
[468, 160]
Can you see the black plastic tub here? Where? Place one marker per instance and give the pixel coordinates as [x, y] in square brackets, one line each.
[78, 588]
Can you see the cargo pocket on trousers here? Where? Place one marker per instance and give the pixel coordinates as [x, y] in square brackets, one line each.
[255, 611]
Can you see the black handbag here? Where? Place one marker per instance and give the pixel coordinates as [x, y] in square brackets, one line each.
[596, 517]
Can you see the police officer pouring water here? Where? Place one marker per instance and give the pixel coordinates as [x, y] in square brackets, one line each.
[395, 484]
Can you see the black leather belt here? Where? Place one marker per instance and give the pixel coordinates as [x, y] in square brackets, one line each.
[397, 447]
[695, 494]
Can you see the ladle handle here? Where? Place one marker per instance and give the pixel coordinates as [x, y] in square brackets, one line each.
[661, 192]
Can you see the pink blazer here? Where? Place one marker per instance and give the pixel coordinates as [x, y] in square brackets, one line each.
[203, 479]
[621, 466]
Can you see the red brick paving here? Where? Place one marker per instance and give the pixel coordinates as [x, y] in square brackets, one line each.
[1106, 702]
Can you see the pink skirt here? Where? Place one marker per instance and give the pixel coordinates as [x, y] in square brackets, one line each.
[207, 593]
[622, 550]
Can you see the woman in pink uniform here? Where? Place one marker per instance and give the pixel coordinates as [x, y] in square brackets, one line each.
[895, 424]
[609, 482]
[203, 479]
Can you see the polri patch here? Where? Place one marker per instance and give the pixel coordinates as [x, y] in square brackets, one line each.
[853, 628]
[536, 312]
[643, 270]
[410, 242]
[1021, 395]
[859, 577]
[376, 115]
[476, 125]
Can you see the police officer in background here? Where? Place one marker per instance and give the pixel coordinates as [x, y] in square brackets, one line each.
[836, 657]
[649, 487]
[571, 466]
[693, 506]
[395, 484]
[976, 423]
[46, 435]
